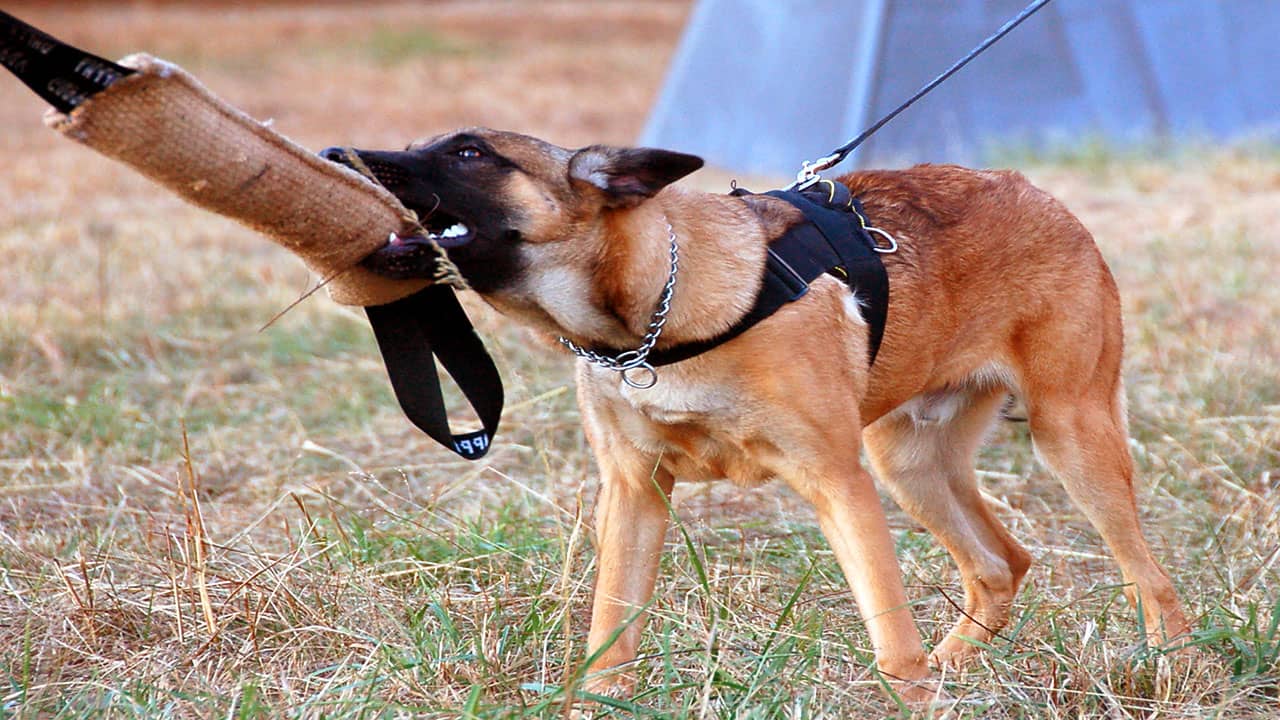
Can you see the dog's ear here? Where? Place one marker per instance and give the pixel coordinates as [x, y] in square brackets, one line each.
[629, 176]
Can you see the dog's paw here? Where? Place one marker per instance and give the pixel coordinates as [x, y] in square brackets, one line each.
[953, 654]
[607, 683]
[925, 697]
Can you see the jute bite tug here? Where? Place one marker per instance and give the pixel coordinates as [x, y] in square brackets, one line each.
[153, 116]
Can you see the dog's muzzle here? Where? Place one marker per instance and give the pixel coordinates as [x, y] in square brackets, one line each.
[403, 256]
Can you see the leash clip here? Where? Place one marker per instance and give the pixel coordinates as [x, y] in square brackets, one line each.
[809, 169]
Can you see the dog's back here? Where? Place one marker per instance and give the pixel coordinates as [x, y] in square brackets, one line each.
[988, 266]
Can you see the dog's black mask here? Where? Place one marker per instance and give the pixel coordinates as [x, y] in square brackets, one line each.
[451, 185]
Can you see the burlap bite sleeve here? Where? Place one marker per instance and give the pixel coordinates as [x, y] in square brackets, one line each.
[166, 125]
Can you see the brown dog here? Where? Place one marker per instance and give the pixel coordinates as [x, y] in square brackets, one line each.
[996, 289]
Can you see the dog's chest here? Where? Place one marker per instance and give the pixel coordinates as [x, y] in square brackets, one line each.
[677, 401]
[700, 429]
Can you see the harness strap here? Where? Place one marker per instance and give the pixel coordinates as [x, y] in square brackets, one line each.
[844, 228]
[782, 284]
[833, 240]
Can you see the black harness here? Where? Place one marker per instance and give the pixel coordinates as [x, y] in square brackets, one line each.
[835, 239]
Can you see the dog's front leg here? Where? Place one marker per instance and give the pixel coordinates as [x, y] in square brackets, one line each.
[631, 524]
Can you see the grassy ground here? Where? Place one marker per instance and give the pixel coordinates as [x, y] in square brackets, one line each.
[199, 519]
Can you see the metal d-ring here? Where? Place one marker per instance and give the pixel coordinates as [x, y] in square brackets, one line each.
[647, 382]
[893, 243]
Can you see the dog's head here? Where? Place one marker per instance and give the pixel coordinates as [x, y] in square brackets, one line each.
[508, 207]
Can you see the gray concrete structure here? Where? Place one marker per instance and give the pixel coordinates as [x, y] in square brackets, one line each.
[759, 85]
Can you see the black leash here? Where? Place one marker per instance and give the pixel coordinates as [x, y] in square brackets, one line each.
[809, 172]
[411, 332]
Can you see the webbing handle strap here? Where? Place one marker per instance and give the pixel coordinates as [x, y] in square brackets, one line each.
[63, 75]
[834, 223]
[415, 331]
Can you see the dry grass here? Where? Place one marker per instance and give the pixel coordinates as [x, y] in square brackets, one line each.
[198, 519]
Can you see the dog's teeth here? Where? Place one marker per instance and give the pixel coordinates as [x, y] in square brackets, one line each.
[392, 239]
[456, 230]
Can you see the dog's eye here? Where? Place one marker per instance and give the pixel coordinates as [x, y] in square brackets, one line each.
[470, 153]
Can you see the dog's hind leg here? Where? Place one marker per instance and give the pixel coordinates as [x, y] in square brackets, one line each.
[926, 463]
[1082, 438]
[1069, 375]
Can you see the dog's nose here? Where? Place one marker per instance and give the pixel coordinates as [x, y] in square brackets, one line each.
[335, 154]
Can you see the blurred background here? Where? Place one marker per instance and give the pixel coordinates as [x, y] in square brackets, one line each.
[202, 517]
[812, 75]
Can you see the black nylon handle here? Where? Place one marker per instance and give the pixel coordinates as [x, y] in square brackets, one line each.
[63, 75]
[411, 333]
